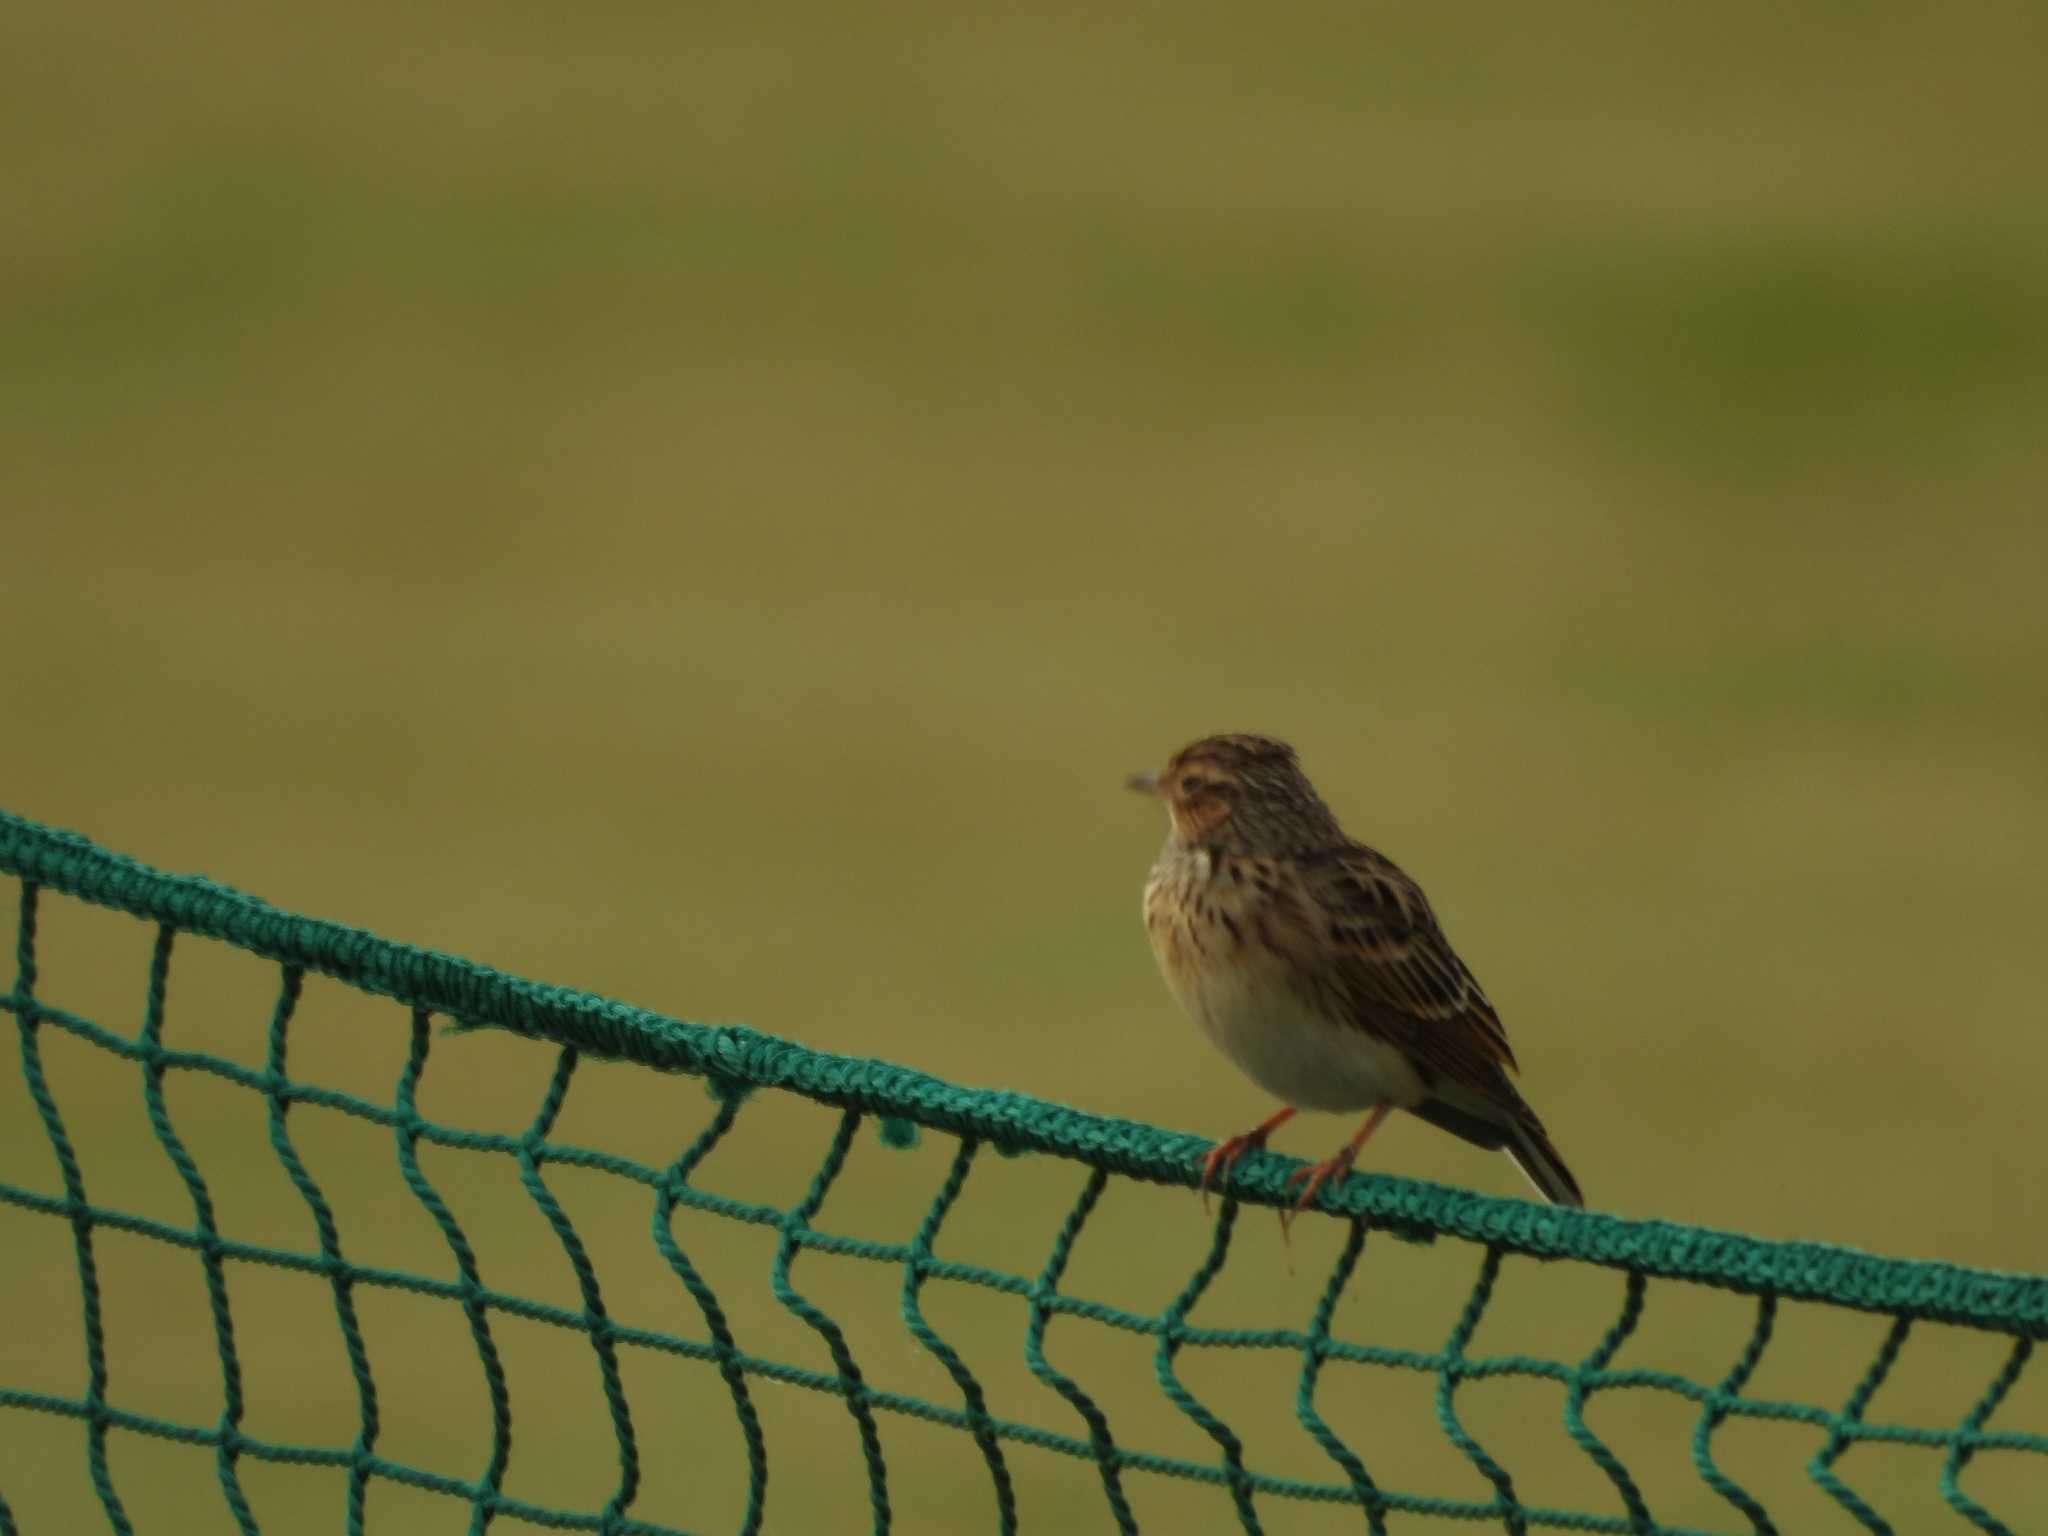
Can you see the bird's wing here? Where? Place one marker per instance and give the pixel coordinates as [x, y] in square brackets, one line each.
[1396, 971]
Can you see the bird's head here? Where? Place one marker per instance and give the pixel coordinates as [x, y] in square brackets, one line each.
[1244, 790]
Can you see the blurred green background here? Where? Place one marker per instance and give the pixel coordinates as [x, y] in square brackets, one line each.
[708, 503]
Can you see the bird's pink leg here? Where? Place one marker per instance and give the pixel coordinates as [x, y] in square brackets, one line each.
[1319, 1174]
[1221, 1158]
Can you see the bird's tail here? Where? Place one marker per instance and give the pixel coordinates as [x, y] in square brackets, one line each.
[1530, 1147]
[1508, 1124]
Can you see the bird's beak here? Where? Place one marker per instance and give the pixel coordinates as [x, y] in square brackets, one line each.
[1143, 783]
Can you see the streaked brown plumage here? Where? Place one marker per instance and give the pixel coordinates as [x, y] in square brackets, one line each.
[1317, 965]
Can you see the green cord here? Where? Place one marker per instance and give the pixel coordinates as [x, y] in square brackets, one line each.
[736, 1062]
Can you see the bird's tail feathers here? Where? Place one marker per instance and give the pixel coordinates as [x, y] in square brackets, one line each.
[1530, 1148]
[1505, 1122]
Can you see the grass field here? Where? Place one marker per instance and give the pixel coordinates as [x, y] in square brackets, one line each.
[708, 504]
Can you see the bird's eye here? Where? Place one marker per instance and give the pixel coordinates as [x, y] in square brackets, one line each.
[1190, 784]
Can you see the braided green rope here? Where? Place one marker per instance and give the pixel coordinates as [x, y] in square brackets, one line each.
[1575, 1403]
[735, 1061]
[485, 1499]
[1822, 1467]
[915, 1272]
[1450, 1371]
[849, 1384]
[209, 1236]
[1715, 1413]
[669, 1188]
[1172, 1337]
[1315, 1350]
[330, 1251]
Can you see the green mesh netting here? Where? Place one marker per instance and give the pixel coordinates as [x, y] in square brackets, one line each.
[735, 1060]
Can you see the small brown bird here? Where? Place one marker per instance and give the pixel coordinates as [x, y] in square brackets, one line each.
[1319, 968]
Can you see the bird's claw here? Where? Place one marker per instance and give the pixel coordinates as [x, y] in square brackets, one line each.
[1312, 1178]
[1224, 1156]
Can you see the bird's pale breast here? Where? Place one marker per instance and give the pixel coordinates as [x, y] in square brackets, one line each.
[1222, 947]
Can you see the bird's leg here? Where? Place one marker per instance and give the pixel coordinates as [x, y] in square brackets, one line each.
[1319, 1174]
[1221, 1158]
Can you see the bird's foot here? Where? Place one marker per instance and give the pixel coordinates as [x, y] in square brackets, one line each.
[1314, 1177]
[1221, 1158]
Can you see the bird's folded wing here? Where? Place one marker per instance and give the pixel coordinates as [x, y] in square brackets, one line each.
[1396, 970]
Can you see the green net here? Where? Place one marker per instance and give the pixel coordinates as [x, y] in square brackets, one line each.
[736, 1061]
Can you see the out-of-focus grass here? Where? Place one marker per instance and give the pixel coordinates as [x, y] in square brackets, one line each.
[708, 506]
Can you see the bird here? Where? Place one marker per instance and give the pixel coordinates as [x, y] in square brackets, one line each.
[1318, 966]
